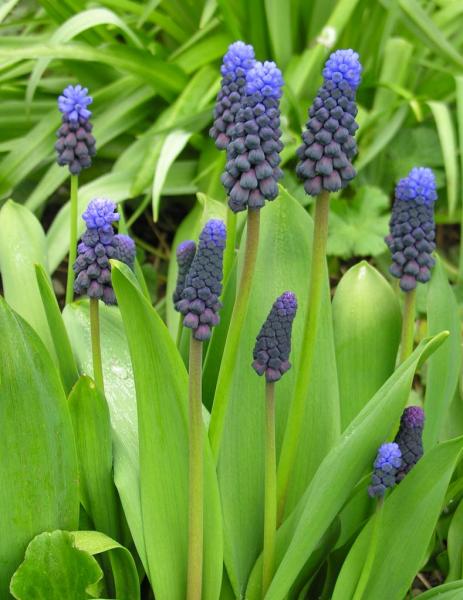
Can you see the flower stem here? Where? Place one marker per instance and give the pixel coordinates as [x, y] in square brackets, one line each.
[235, 330]
[96, 345]
[296, 412]
[72, 239]
[270, 515]
[195, 479]
[370, 557]
[229, 253]
[408, 326]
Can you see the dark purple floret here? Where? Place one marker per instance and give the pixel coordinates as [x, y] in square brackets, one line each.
[97, 247]
[199, 301]
[76, 144]
[386, 467]
[409, 439]
[252, 172]
[412, 228]
[328, 144]
[236, 63]
[273, 344]
[185, 253]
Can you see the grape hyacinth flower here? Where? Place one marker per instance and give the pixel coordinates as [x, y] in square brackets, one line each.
[412, 228]
[185, 253]
[199, 301]
[236, 64]
[97, 246]
[409, 439]
[76, 144]
[252, 172]
[273, 344]
[328, 144]
[386, 468]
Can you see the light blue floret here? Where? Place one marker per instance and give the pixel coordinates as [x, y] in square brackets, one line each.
[100, 213]
[419, 185]
[343, 66]
[389, 457]
[74, 101]
[238, 60]
[266, 79]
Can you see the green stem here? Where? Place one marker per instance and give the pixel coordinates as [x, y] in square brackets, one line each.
[180, 331]
[72, 239]
[96, 345]
[230, 246]
[270, 514]
[408, 326]
[296, 412]
[370, 558]
[195, 479]
[235, 330]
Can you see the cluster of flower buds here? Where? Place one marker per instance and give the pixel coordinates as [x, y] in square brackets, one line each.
[76, 144]
[386, 467]
[98, 245]
[273, 344]
[328, 144]
[199, 282]
[412, 228]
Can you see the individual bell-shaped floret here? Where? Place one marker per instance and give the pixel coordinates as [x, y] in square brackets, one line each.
[199, 301]
[328, 144]
[252, 172]
[412, 228]
[236, 64]
[76, 144]
[273, 344]
[410, 439]
[386, 468]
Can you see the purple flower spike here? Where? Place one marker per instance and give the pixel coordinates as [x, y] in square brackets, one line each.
[76, 144]
[236, 64]
[328, 144]
[199, 301]
[386, 467]
[409, 439]
[252, 172]
[273, 344]
[185, 254]
[97, 246]
[412, 228]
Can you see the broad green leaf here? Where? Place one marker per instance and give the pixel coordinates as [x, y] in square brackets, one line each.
[343, 467]
[367, 324]
[455, 545]
[283, 263]
[161, 384]
[123, 566]
[459, 91]
[410, 516]
[447, 591]
[66, 362]
[279, 27]
[54, 569]
[92, 428]
[38, 462]
[444, 367]
[22, 245]
[120, 394]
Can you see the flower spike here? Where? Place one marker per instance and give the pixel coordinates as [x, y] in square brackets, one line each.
[273, 344]
[386, 467]
[328, 144]
[409, 439]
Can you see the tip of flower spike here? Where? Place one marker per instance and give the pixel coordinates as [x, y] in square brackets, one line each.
[266, 79]
[185, 251]
[413, 416]
[238, 60]
[214, 232]
[287, 304]
[388, 457]
[73, 102]
[343, 65]
[419, 185]
[99, 213]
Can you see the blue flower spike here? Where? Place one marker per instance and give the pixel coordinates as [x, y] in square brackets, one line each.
[97, 247]
[199, 302]
[252, 173]
[328, 144]
[185, 254]
[410, 439]
[76, 144]
[273, 344]
[386, 468]
[236, 63]
[412, 228]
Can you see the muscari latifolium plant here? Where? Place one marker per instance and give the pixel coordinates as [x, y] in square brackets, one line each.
[301, 476]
